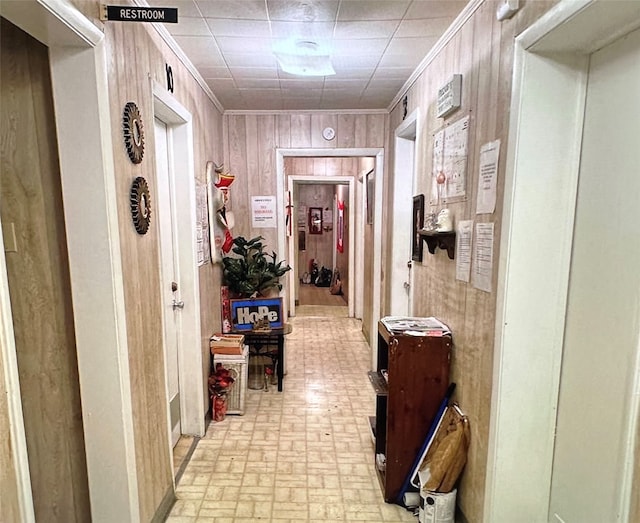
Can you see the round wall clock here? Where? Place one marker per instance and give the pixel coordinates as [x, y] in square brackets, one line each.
[328, 133]
[133, 132]
[140, 201]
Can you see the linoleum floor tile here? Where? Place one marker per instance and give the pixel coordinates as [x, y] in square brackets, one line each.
[301, 455]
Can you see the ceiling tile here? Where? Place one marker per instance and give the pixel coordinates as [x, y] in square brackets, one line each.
[390, 60]
[366, 29]
[214, 72]
[366, 46]
[307, 11]
[244, 45]
[250, 28]
[250, 60]
[221, 85]
[255, 72]
[185, 7]
[372, 9]
[422, 27]
[295, 82]
[294, 30]
[246, 9]
[435, 8]
[189, 27]
[257, 83]
[414, 47]
[201, 50]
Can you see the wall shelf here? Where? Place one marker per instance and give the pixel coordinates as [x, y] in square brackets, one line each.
[444, 240]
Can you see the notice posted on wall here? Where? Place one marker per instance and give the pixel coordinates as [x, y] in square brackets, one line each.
[483, 256]
[263, 212]
[464, 235]
[487, 177]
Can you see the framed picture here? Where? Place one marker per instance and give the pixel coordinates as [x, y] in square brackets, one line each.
[418, 224]
[370, 187]
[302, 241]
[244, 313]
[315, 220]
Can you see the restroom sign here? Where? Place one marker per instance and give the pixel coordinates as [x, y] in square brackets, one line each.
[124, 13]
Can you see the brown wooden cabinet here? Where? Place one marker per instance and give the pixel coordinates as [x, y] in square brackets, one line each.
[407, 400]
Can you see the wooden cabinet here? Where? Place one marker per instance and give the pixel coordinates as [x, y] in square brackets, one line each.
[410, 382]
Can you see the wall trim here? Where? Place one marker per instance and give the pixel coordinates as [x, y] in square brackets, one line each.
[234, 112]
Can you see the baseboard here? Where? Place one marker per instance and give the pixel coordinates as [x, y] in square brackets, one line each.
[165, 506]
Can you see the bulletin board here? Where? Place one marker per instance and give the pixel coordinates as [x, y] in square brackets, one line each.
[450, 155]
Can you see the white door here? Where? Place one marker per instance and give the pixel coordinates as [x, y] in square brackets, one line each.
[402, 238]
[172, 304]
[593, 456]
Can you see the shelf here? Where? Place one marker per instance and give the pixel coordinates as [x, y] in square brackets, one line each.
[444, 240]
[378, 382]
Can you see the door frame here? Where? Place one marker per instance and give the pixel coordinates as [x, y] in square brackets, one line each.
[294, 179]
[550, 71]
[193, 406]
[78, 61]
[374, 152]
[405, 159]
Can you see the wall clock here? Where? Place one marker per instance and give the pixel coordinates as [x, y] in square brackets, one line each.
[140, 201]
[328, 133]
[133, 132]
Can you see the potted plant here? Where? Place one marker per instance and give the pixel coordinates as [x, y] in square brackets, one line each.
[252, 272]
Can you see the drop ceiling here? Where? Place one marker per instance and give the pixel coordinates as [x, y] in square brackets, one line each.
[374, 45]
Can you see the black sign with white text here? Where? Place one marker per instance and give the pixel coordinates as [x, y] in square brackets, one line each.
[122, 13]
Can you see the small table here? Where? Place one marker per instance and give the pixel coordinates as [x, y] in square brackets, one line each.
[274, 337]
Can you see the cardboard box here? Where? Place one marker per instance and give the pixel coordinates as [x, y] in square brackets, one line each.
[226, 344]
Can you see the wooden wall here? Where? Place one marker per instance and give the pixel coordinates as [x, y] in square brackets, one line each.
[319, 246]
[129, 81]
[39, 286]
[250, 146]
[136, 56]
[482, 51]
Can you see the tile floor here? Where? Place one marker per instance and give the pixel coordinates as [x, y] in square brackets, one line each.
[304, 454]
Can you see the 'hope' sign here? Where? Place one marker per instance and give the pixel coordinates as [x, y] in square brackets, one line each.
[245, 313]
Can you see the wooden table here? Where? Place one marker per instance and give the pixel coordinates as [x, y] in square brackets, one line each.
[256, 340]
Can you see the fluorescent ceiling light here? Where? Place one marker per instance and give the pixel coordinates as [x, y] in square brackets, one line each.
[303, 58]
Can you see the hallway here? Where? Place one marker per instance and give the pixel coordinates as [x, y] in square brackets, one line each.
[301, 455]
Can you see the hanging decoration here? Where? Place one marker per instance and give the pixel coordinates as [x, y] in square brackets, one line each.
[340, 241]
[140, 202]
[218, 183]
[133, 132]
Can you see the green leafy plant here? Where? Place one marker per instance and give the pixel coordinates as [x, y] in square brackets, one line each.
[252, 272]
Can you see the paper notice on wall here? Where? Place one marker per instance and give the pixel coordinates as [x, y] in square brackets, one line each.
[483, 256]
[203, 248]
[464, 236]
[487, 177]
[263, 212]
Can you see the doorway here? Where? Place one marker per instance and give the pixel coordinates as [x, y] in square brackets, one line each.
[540, 312]
[401, 281]
[321, 226]
[172, 305]
[41, 311]
[186, 393]
[371, 308]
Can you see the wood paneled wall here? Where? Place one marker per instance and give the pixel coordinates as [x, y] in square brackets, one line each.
[482, 51]
[319, 246]
[250, 147]
[129, 81]
[39, 286]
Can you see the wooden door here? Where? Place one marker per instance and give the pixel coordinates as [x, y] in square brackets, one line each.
[39, 283]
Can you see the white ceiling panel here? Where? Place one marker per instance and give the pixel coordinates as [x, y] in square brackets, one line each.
[372, 10]
[375, 45]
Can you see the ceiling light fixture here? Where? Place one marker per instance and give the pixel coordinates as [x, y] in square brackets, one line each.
[303, 58]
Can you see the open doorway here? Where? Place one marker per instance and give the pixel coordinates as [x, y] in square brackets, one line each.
[321, 242]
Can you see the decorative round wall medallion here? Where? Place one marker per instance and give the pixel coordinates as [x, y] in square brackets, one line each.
[328, 133]
[133, 132]
[140, 205]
